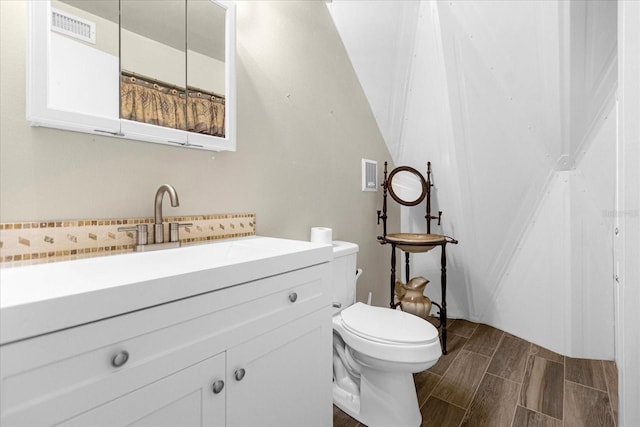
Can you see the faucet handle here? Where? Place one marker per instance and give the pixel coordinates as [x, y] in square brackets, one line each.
[142, 233]
[174, 230]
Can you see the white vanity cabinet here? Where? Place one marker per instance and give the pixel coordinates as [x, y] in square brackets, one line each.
[254, 354]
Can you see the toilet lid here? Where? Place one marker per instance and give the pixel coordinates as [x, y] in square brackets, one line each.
[384, 324]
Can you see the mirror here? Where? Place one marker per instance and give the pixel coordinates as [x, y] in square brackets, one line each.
[205, 68]
[72, 73]
[75, 54]
[173, 66]
[407, 186]
[153, 51]
[156, 70]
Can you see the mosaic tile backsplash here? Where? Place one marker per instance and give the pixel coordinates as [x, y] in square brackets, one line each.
[25, 243]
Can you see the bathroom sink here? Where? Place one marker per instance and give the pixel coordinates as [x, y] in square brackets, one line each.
[415, 242]
[43, 298]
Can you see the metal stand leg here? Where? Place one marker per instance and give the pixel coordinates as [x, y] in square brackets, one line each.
[406, 267]
[393, 275]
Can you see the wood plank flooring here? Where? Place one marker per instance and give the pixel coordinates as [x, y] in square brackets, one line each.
[494, 379]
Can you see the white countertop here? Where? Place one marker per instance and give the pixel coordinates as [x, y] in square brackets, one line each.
[43, 298]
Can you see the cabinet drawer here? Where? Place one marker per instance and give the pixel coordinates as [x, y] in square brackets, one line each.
[65, 386]
[57, 375]
[185, 398]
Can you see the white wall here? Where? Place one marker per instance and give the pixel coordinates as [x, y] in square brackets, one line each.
[95, 89]
[627, 215]
[159, 61]
[304, 125]
[512, 102]
[380, 46]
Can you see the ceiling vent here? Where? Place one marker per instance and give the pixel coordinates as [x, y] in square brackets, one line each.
[73, 26]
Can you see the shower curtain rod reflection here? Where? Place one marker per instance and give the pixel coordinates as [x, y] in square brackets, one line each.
[152, 80]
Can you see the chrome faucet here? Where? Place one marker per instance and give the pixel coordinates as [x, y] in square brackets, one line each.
[173, 195]
[141, 242]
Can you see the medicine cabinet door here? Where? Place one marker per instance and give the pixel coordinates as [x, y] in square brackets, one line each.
[152, 67]
[73, 61]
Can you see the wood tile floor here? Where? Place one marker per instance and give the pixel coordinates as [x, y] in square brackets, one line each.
[494, 379]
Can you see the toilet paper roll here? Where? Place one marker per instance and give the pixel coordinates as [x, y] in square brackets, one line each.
[321, 235]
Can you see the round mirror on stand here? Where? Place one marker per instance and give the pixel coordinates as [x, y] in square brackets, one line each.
[407, 186]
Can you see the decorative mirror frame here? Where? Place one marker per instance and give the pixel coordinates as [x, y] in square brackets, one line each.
[39, 112]
[397, 197]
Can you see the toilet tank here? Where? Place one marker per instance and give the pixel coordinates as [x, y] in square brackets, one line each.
[344, 265]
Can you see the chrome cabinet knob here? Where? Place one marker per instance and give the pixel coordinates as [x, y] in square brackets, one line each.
[239, 374]
[293, 297]
[120, 359]
[218, 386]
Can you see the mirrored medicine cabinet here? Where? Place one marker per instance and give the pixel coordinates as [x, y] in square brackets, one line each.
[150, 70]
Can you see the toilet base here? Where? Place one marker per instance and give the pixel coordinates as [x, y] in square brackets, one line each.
[386, 399]
[348, 402]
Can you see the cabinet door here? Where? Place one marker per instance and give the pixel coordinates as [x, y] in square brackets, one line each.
[283, 378]
[186, 398]
[72, 74]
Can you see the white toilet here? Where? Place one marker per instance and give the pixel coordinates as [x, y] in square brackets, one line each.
[376, 350]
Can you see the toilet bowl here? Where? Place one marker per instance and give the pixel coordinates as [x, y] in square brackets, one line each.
[376, 350]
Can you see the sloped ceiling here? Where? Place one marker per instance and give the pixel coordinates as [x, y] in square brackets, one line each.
[505, 98]
[379, 38]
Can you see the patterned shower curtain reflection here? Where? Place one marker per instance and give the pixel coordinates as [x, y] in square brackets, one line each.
[205, 113]
[164, 105]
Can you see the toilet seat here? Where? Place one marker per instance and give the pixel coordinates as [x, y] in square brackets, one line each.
[387, 326]
[378, 333]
